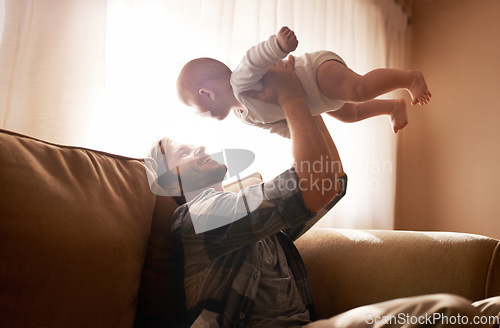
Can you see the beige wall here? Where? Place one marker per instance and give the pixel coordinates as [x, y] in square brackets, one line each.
[449, 156]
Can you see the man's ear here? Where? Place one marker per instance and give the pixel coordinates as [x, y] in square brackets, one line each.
[206, 92]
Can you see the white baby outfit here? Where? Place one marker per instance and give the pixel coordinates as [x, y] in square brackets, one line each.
[256, 62]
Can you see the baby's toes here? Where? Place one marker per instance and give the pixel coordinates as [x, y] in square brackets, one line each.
[400, 127]
[423, 100]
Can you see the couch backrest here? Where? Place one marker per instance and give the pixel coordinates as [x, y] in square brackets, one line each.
[74, 231]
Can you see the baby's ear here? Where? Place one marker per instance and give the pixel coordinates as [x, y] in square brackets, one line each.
[205, 92]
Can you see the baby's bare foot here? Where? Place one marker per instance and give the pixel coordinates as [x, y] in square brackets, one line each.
[398, 117]
[418, 89]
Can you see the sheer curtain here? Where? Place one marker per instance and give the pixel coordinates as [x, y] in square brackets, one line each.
[102, 74]
[52, 64]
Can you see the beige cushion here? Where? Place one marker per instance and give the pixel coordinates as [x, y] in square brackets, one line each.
[350, 268]
[74, 225]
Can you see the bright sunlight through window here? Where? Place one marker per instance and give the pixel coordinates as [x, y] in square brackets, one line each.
[146, 48]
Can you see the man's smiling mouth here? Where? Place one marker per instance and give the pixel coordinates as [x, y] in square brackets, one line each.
[204, 160]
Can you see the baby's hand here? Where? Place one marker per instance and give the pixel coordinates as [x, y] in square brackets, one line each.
[287, 40]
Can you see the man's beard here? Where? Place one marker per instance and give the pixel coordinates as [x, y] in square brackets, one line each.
[191, 183]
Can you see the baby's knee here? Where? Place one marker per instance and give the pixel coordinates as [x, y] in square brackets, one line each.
[359, 92]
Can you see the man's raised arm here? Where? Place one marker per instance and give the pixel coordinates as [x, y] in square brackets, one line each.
[317, 162]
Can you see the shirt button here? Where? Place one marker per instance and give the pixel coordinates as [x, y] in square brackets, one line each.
[256, 276]
[242, 315]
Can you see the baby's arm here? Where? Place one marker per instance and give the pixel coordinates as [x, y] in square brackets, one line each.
[257, 60]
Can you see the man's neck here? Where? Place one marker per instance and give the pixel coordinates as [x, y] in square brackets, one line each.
[190, 195]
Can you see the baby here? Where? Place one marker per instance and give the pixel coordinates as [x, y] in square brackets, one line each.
[329, 86]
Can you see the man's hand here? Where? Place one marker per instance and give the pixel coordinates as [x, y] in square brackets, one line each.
[311, 142]
[287, 40]
[280, 84]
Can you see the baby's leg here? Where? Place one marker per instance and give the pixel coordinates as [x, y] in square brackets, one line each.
[337, 81]
[354, 112]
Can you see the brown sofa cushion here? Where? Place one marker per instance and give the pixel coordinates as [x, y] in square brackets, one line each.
[74, 225]
[158, 306]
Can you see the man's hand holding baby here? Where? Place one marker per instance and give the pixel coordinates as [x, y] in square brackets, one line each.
[280, 84]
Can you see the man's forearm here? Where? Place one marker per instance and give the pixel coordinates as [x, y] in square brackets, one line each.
[334, 158]
[310, 147]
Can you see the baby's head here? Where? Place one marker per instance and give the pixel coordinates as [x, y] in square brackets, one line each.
[204, 84]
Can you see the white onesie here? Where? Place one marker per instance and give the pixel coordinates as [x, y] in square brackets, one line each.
[248, 75]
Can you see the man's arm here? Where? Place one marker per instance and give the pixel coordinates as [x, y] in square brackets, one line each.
[218, 223]
[334, 155]
[311, 149]
[294, 232]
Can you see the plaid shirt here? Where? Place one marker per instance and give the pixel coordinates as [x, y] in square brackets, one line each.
[218, 270]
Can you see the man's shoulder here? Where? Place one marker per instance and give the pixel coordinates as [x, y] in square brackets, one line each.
[205, 199]
[209, 210]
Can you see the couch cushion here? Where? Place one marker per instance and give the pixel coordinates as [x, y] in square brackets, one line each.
[158, 305]
[348, 268]
[74, 225]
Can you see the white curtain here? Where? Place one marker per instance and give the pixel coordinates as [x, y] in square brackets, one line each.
[102, 74]
[52, 67]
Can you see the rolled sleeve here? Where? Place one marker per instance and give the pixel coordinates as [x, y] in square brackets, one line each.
[284, 192]
[295, 232]
[340, 194]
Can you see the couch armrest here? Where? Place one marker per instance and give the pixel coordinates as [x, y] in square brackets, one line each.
[350, 268]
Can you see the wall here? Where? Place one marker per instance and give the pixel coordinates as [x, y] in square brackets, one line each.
[449, 156]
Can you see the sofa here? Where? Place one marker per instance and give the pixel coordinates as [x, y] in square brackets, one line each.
[85, 243]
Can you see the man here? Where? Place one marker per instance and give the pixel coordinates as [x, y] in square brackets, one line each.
[237, 265]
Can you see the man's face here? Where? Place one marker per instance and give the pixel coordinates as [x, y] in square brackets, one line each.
[197, 169]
